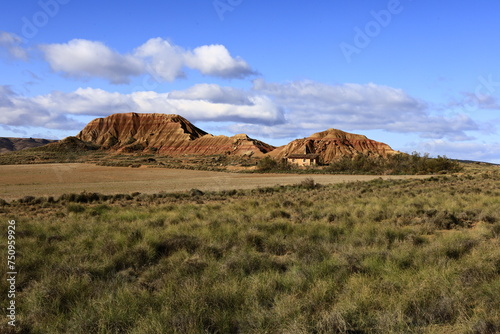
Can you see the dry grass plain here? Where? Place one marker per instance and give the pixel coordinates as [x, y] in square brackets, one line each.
[384, 256]
[17, 181]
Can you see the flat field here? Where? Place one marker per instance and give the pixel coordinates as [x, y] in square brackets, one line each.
[17, 181]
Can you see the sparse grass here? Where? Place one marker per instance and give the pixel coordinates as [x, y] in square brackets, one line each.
[407, 256]
[132, 157]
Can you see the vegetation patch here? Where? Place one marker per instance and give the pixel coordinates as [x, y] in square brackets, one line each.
[396, 164]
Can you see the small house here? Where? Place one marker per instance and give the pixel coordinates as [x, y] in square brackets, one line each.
[308, 159]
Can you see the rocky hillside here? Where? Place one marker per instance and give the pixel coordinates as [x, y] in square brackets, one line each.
[165, 134]
[333, 144]
[17, 144]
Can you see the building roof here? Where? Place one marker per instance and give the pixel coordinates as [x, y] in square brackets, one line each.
[303, 156]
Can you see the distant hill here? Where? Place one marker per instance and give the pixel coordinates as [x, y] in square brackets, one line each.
[8, 144]
[68, 144]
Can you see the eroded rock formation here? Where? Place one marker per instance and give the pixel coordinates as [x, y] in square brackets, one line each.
[333, 144]
[165, 134]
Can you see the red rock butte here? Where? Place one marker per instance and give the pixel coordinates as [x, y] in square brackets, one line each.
[165, 134]
[174, 135]
[333, 144]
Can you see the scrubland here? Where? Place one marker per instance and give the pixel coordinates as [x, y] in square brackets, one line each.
[385, 256]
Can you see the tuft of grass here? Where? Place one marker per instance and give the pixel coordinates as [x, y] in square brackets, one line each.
[75, 208]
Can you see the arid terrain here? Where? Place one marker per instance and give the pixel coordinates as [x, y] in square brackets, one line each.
[56, 179]
[382, 256]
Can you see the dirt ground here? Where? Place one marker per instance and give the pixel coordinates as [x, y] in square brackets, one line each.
[17, 181]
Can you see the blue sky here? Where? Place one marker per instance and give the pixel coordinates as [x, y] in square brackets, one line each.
[419, 75]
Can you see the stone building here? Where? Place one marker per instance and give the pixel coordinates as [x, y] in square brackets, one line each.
[308, 159]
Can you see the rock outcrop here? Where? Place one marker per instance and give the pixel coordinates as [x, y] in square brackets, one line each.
[333, 144]
[165, 134]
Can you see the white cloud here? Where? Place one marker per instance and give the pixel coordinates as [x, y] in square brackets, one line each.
[164, 59]
[261, 110]
[12, 45]
[213, 93]
[83, 58]
[215, 60]
[157, 57]
[19, 111]
[86, 101]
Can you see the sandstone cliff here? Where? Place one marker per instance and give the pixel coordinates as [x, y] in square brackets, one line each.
[165, 134]
[333, 144]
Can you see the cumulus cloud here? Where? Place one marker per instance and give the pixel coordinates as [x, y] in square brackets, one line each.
[12, 44]
[83, 58]
[315, 106]
[215, 60]
[86, 101]
[157, 57]
[165, 60]
[213, 93]
[261, 110]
